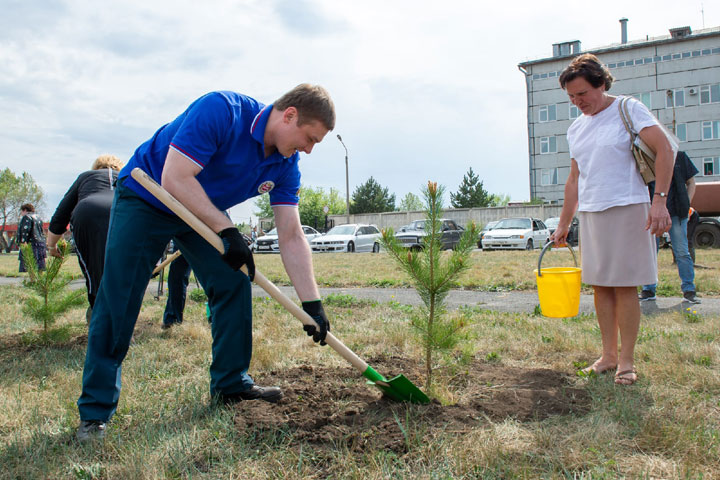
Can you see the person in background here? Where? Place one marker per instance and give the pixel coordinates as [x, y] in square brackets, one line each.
[178, 280]
[225, 148]
[86, 208]
[693, 220]
[606, 189]
[682, 190]
[30, 232]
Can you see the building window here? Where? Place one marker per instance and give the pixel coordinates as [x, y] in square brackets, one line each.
[547, 113]
[675, 98]
[681, 131]
[710, 166]
[574, 112]
[548, 145]
[711, 130]
[644, 98]
[549, 176]
[710, 93]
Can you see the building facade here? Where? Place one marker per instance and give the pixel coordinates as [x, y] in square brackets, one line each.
[676, 76]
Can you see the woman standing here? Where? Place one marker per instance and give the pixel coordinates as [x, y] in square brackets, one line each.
[30, 232]
[86, 207]
[617, 222]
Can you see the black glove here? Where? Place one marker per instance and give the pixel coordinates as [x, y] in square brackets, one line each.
[237, 252]
[315, 310]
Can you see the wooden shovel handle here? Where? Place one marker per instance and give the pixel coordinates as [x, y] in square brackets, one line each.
[167, 261]
[208, 234]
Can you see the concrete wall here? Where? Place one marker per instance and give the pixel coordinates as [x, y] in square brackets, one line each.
[461, 215]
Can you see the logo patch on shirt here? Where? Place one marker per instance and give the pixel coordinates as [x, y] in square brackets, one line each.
[266, 186]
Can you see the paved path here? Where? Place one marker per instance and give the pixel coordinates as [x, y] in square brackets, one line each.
[511, 301]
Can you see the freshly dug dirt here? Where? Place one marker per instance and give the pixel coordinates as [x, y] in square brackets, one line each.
[328, 407]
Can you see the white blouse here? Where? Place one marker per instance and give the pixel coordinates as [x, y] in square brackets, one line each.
[601, 147]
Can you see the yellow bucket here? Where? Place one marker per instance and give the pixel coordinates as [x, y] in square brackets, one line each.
[558, 288]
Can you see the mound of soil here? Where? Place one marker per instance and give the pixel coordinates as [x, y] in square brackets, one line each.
[328, 407]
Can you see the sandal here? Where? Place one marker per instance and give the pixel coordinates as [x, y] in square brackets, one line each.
[626, 377]
[594, 368]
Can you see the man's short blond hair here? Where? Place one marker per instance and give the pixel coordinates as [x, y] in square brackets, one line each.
[312, 102]
[107, 161]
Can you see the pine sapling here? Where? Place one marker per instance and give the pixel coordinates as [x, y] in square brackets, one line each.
[433, 275]
[50, 286]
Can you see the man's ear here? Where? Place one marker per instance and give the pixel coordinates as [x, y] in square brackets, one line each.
[289, 114]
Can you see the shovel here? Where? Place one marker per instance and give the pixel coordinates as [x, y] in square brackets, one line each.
[166, 262]
[397, 388]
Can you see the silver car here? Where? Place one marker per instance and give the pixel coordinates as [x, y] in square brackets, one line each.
[268, 243]
[349, 238]
[520, 233]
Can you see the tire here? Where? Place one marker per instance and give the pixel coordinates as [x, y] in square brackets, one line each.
[530, 245]
[707, 236]
[376, 248]
[351, 247]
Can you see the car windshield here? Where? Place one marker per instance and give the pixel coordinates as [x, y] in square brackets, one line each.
[489, 226]
[272, 232]
[342, 230]
[513, 223]
[418, 225]
[552, 222]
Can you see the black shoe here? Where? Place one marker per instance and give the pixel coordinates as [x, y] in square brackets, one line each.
[90, 430]
[646, 295]
[269, 394]
[690, 297]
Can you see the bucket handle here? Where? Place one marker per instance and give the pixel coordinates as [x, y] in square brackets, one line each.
[548, 245]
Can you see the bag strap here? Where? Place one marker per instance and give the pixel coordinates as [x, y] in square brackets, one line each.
[625, 116]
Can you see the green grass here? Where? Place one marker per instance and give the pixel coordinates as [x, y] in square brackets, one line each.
[494, 271]
[666, 426]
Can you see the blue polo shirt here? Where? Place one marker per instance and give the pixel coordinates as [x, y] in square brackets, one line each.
[222, 133]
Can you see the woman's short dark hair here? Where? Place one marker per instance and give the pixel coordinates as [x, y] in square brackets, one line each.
[587, 66]
[28, 207]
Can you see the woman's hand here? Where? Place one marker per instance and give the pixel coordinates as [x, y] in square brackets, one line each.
[54, 251]
[559, 236]
[658, 221]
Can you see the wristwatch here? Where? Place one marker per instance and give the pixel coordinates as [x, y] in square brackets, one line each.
[661, 194]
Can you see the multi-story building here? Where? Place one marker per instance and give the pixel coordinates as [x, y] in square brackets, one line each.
[677, 76]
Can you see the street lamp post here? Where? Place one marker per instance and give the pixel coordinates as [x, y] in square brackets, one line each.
[347, 181]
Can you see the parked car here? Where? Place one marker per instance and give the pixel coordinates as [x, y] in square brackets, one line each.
[574, 232]
[414, 234]
[349, 238]
[520, 232]
[269, 242]
[488, 226]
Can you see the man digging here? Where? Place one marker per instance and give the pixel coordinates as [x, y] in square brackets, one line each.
[224, 149]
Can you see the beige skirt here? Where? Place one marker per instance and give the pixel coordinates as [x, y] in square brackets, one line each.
[616, 249]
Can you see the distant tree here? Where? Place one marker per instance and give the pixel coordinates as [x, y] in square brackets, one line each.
[410, 203]
[499, 200]
[312, 201]
[371, 197]
[262, 203]
[471, 193]
[15, 191]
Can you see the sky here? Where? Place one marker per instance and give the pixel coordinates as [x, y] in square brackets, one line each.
[423, 90]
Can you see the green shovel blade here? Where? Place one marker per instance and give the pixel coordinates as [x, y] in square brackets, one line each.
[398, 388]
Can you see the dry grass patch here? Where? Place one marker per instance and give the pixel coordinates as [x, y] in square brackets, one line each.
[513, 404]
